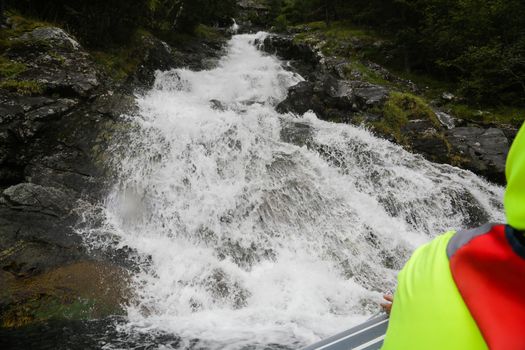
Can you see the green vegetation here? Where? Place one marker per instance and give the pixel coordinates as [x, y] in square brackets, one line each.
[477, 47]
[116, 62]
[20, 26]
[10, 69]
[22, 87]
[206, 32]
[356, 66]
[120, 61]
[507, 115]
[398, 110]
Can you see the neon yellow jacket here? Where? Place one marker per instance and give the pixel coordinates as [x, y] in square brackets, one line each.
[429, 311]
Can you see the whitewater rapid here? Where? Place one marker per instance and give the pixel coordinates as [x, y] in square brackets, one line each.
[257, 229]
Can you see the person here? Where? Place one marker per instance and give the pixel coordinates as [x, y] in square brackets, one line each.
[466, 290]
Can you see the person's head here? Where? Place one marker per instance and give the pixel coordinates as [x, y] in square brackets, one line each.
[515, 193]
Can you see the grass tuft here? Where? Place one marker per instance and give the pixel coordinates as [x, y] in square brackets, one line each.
[22, 87]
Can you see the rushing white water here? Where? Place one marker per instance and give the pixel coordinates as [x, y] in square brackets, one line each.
[257, 228]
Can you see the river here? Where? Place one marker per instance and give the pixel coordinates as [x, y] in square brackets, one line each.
[254, 229]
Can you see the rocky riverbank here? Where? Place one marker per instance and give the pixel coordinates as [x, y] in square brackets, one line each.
[342, 87]
[60, 107]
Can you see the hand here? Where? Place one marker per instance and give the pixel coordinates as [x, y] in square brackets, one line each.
[387, 307]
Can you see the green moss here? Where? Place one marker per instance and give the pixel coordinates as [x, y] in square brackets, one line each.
[57, 56]
[366, 73]
[280, 24]
[117, 63]
[205, 32]
[79, 291]
[20, 26]
[398, 110]
[78, 309]
[506, 115]
[23, 87]
[10, 69]
[311, 26]
[335, 39]
[48, 307]
[346, 31]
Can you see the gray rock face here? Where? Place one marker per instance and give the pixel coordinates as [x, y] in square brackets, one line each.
[36, 229]
[371, 95]
[55, 36]
[56, 61]
[303, 58]
[484, 151]
[47, 200]
[46, 151]
[333, 99]
[156, 55]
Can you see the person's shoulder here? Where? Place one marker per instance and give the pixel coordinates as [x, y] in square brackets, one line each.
[464, 237]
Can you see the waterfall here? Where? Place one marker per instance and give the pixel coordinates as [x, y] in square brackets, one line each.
[234, 27]
[259, 229]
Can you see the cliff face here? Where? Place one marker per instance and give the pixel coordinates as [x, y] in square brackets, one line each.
[59, 110]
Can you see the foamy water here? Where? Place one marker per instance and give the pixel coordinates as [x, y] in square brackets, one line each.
[256, 228]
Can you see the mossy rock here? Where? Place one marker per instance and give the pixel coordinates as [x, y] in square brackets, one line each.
[10, 69]
[399, 110]
[22, 87]
[79, 291]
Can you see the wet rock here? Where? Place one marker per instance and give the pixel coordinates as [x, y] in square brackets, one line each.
[484, 151]
[46, 200]
[371, 95]
[446, 119]
[114, 104]
[56, 62]
[52, 36]
[156, 55]
[333, 99]
[300, 99]
[51, 143]
[297, 133]
[221, 286]
[303, 58]
[448, 97]
[76, 291]
[217, 105]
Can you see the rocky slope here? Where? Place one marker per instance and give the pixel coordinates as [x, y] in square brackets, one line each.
[342, 88]
[59, 111]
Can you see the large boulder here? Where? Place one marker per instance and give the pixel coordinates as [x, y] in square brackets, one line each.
[484, 151]
[333, 99]
[302, 57]
[55, 61]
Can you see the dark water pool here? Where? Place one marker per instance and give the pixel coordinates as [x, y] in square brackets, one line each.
[99, 334]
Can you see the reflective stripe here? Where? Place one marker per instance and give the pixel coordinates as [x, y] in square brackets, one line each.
[465, 236]
[515, 193]
[370, 344]
[350, 339]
